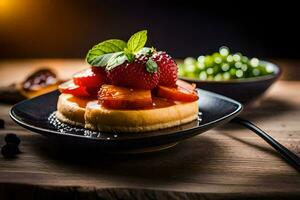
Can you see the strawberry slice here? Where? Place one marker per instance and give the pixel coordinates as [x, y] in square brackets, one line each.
[183, 92]
[90, 78]
[70, 88]
[186, 85]
[124, 98]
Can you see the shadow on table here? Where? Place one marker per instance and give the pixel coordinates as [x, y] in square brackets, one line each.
[265, 149]
[265, 109]
[164, 165]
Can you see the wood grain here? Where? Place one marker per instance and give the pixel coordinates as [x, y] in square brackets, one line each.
[229, 162]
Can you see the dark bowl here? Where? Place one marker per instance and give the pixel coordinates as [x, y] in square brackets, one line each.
[243, 90]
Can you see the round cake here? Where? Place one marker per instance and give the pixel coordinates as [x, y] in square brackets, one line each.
[91, 115]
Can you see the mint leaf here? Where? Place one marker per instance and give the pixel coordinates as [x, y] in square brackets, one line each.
[115, 60]
[101, 61]
[146, 51]
[130, 56]
[137, 41]
[151, 66]
[108, 46]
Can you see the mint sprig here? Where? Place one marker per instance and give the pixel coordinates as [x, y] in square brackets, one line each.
[103, 48]
[147, 51]
[114, 52]
[137, 41]
[116, 60]
[102, 60]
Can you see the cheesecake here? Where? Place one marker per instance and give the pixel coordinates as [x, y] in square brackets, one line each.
[127, 88]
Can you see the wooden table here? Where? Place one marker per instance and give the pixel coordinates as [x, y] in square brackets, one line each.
[228, 162]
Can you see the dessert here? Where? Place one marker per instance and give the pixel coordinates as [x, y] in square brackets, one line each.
[128, 88]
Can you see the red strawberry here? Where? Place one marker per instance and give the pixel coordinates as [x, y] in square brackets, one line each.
[99, 70]
[167, 69]
[91, 79]
[134, 75]
[88, 78]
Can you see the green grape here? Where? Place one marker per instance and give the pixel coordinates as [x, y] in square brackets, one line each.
[255, 72]
[218, 60]
[224, 51]
[203, 76]
[218, 77]
[225, 67]
[189, 61]
[239, 73]
[208, 61]
[270, 69]
[210, 71]
[244, 67]
[190, 68]
[254, 62]
[226, 76]
[232, 72]
[201, 59]
[245, 59]
[216, 69]
[229, 58]
[200, 65]
[238, 65]
[237, 57]
[262, 70]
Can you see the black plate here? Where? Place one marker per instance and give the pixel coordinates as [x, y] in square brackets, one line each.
[33, 114]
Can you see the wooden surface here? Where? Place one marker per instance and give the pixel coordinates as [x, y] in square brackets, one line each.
[228, 162]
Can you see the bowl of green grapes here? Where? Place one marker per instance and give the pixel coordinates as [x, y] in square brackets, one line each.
[231, 74]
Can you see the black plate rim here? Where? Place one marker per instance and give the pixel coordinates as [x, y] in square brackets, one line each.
[39, 130]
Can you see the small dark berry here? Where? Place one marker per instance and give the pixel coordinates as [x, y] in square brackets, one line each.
[2, 122]
[12, 138]
[9, 150]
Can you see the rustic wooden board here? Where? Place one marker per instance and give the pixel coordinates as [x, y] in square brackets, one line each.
[228, 162]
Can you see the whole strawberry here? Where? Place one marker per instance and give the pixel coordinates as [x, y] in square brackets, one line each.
[101, 72]
[134, 74]
[167, 68]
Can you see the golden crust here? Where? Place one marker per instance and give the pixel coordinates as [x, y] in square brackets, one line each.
[96, 117]
[70, 112]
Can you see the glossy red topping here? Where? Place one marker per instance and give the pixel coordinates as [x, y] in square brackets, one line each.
[183, 92]
[186, 85]
[124, 98]
[76, 90]
[91, 78]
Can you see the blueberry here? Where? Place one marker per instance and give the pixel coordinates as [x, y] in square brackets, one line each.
[12, 138]
[9, 150]
[2, 123]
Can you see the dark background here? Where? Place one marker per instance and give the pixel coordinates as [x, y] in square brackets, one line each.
[64, 29]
